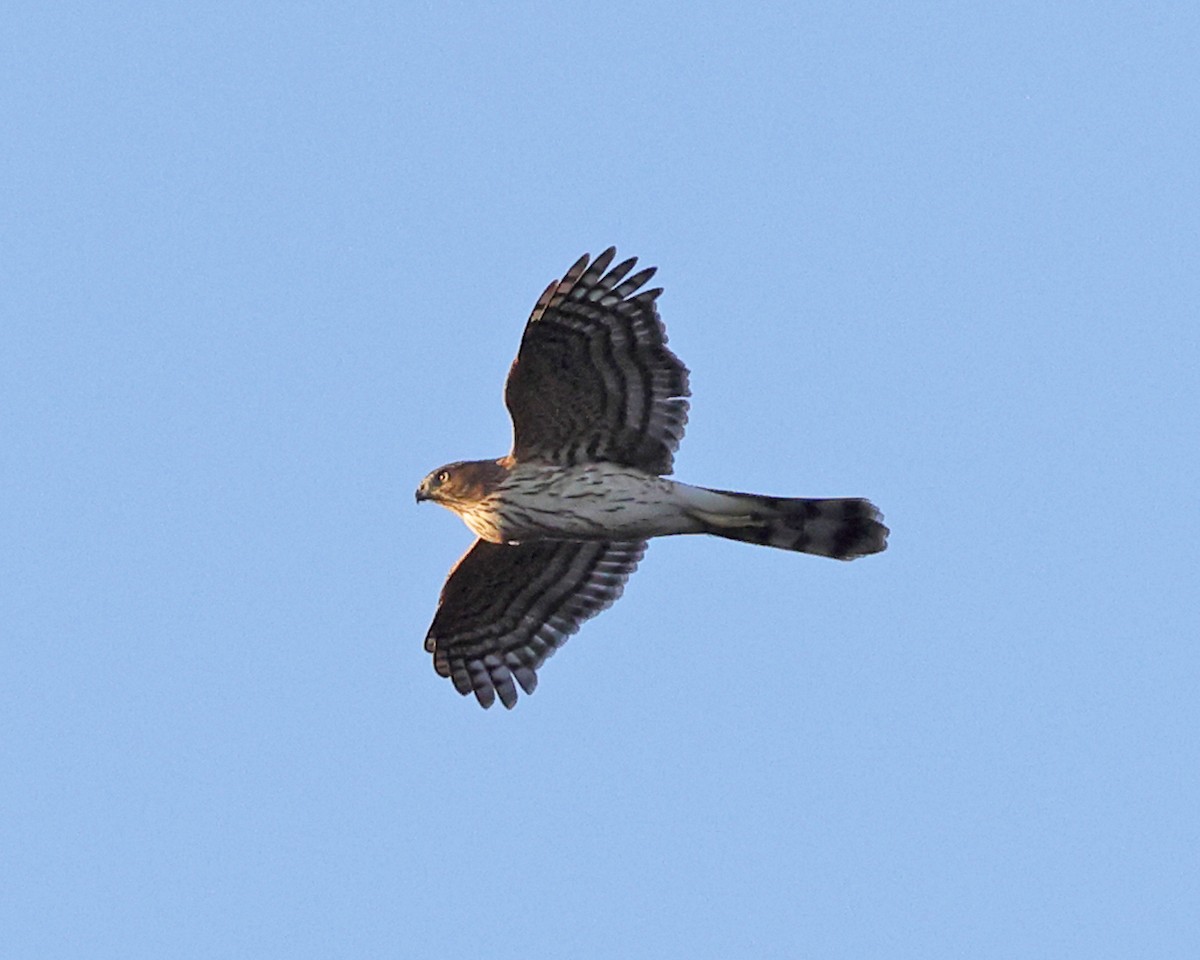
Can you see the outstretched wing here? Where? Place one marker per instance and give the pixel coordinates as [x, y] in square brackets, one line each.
[594, 379]
[506, 607]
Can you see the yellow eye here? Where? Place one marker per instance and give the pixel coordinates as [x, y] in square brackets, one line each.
[443, 476]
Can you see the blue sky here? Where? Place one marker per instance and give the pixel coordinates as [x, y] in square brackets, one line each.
[264, 267]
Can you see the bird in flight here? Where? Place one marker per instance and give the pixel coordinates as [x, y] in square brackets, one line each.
[598, 405]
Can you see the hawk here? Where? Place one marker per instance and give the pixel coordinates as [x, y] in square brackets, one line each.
[598, 405]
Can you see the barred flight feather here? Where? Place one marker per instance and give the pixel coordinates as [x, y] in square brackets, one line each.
[506, 608]
[599, 406]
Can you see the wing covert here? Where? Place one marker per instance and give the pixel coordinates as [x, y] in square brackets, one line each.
[594, 379]
[505, 608]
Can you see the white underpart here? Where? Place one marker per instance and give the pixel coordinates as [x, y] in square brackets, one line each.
[601, 501]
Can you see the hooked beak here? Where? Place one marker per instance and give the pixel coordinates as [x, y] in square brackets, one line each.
[422, 494]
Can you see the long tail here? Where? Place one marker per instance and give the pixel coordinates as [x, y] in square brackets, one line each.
[843, 529]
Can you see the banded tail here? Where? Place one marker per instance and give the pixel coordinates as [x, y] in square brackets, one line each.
[843, 528]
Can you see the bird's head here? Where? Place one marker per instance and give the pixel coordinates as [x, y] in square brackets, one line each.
[460, 483]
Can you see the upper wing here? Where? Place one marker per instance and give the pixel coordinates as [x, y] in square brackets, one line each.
[506, 607]
[594, 379]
